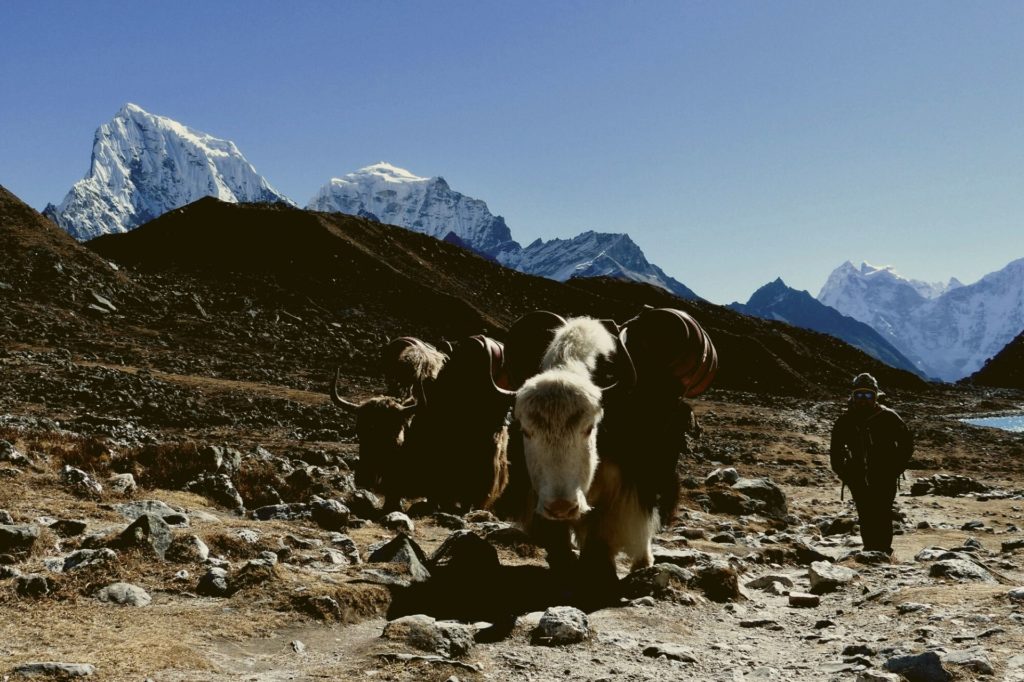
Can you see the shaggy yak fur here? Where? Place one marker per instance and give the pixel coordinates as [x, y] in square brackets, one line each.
[448, 443]
[586, 461]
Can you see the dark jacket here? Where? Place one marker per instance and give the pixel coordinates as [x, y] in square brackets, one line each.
[870, 446]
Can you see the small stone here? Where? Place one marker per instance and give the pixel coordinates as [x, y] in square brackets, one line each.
[727, 476]
[766, 581]
[124, 593]
[672, 652]
[872, 558]
[804, 600]
[1016, 594]
[562, 625]
[398, 521]
[297, 646]
[122, 484]
[912, 607]
[80, 481]
[213, 584]
[971, 659]
[55, 670]
[876, 676]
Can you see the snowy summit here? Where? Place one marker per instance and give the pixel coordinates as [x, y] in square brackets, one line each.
[144, 165]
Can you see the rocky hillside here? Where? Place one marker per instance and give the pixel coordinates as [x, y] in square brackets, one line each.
[1005, 369]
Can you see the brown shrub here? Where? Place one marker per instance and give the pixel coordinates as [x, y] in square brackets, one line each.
[234, 547]
[91, 455]
[167, 465]
[257, 482]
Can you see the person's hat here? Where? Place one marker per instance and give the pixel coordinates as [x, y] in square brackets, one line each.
[865, 380]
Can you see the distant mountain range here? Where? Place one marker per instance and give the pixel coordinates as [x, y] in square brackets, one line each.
[145, 165]
[776, 301]
[948, 331]
[429, 205]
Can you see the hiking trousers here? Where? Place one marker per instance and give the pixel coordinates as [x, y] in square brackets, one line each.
[874, 513]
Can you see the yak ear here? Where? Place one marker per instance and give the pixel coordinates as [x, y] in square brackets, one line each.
[336, 397]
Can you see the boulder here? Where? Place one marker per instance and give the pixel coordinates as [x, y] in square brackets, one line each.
[727, 476]
[659, 580]
[84, 558]
[826, 577]
[449, 639]
[17, 540]
[214, 583]
[33, 585]
[403, 551]
[149, 533]
[960, 569]
[188, 549]
[218, 488]
[329, 514]
[971, 660]
[561, 625]
[718, 581]
[398, 521]
[771, 497]
[924, 667]
[122, 484]
[80, 482]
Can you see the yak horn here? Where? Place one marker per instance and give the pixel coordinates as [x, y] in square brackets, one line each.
[336, 398]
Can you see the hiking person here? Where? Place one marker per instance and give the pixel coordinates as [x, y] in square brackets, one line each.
[871, 446]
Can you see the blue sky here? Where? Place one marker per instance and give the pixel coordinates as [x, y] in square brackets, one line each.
[736, 142]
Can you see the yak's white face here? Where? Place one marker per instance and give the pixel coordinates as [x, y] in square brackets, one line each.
[559, 412]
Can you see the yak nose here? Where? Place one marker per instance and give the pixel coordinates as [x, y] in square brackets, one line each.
[562, 509]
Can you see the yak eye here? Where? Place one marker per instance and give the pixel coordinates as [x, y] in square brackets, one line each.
[526, 434]
[587, 431]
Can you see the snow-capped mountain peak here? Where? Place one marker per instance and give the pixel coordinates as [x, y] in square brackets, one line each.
[947, 330]
[144, 165]
[396, 196]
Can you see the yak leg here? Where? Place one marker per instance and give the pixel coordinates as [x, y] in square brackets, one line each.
[599, 581]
